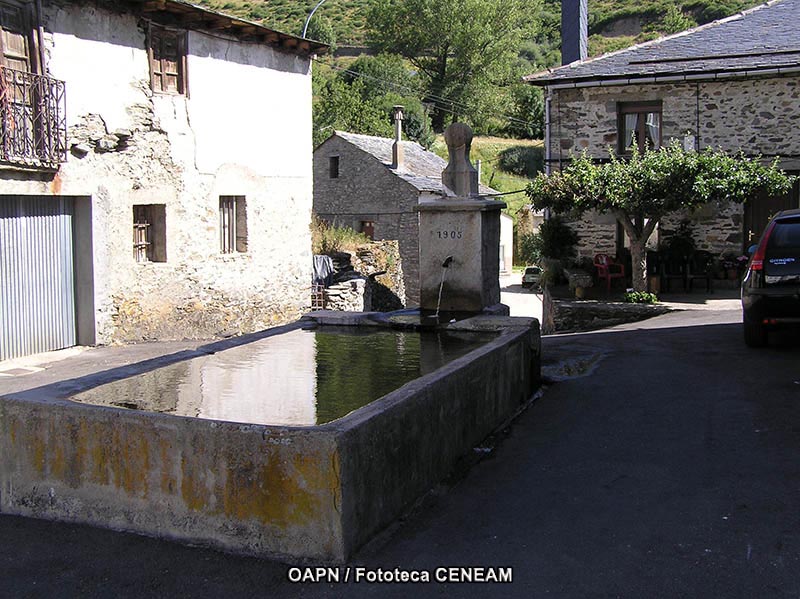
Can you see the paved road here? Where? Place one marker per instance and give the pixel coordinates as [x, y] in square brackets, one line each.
[521, 302]
[665, 462]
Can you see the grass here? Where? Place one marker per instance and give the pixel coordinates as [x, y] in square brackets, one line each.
[489, 150]
[326, 239]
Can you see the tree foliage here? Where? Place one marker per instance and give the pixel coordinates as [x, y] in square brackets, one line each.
[462, 48]
[554, 240]
[360, 100]
[640, 191]
[527, 113]
[320, 29]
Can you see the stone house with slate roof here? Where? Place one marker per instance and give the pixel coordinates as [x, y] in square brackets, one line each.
[155, 173]
[372, 185]
[732, 84]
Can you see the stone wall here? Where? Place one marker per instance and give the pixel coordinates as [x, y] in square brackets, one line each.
[370, 278]
[351, 295]
[366, 190]
[755, 116]
[130, 146]
[561, 315]
[759, 117]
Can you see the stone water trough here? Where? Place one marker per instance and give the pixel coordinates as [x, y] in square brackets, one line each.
[295, 492]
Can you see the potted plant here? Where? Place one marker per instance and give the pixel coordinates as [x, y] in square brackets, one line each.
[733, 264]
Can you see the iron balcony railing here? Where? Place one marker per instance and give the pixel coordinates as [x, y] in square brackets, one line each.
[33, 122]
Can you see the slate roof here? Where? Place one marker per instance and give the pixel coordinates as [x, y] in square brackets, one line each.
[422, 169]
[761, 40]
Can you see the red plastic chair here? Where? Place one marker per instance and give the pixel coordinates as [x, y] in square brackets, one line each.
[608, 269]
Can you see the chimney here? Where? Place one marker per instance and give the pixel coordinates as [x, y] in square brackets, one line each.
[397, 148]
[574, 30]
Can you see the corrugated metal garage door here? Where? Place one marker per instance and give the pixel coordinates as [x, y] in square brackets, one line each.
[37, 288]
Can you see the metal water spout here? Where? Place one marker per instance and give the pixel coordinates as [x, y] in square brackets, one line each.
[445, 265]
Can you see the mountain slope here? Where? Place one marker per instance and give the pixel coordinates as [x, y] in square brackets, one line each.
[613, 24]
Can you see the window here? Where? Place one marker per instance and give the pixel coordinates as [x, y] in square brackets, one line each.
[639, 126]
[167, 52]
[333, 167]
[149, 233]
[16, 37]
[368, 228]
[232, 224]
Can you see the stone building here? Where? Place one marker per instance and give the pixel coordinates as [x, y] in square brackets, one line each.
[732, 84]
[372, 185]
[155, 173]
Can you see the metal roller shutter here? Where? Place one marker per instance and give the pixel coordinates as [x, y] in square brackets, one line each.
[37, 286]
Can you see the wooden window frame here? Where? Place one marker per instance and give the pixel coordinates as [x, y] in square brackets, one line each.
[641, 109]
[27, 30]
[232, 224]
[158, 70]
[149, 233]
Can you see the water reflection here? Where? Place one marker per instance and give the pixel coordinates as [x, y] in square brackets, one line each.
[298, 378]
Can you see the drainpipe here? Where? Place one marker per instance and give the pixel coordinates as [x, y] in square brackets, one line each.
[548, 99]
[547, 107]
[397, 148]
[40, 34]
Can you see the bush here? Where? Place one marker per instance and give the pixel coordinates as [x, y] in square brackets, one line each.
[555, 240]
[524, 161]
[328, 239]
[530, 248]
[640, 297]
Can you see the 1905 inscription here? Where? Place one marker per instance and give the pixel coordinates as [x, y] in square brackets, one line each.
[449, 234]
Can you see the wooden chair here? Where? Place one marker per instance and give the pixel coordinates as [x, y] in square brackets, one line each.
[701, 267]
[673, 268]
[608, 269]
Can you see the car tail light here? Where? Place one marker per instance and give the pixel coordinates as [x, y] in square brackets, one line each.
[757, 261]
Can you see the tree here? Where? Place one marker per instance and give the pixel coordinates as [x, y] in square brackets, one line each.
[320, 29]
[340, 106]
[640, 191]
[675, 20]
[360, 100]
[462, 48]
[527, 112]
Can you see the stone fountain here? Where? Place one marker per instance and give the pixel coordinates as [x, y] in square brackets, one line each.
[459, 238]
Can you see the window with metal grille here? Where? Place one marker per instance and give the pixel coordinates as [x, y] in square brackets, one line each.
[639, 125]
[333, 167]
[232, 224]
[167, 52]
[149, 233]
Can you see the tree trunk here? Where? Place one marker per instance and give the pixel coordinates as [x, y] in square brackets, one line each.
[639, 232]
[638, 265]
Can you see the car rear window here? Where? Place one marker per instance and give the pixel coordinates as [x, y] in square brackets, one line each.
[786, 234]
[532, 271]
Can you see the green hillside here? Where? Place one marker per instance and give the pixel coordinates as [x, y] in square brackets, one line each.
[613, 24]
[346, 17]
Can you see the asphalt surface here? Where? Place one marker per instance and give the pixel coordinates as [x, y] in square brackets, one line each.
[663, 461]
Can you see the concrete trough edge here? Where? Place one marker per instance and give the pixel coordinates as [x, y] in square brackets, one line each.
[225, 485]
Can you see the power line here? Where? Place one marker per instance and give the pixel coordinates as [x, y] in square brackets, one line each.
[442, 103]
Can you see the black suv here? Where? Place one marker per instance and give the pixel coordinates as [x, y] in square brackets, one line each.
[771, 287]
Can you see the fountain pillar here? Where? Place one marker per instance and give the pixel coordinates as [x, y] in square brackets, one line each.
[466, 226]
